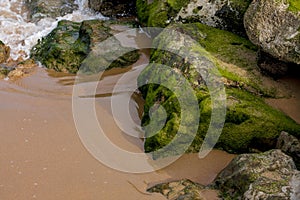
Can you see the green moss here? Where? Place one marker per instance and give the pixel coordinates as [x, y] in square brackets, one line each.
[159, 12]
[222, 44]
[294, 5]
[250, 122]
[63, 49]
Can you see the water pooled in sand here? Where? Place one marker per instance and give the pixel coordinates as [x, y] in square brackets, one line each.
[42, 157]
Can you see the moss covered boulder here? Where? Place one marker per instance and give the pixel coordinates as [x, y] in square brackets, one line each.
[269, 175]
[275, 27]
[227, 15]
[64, 48]
[250, 124]
[158, 13]
[50, 8]
[70, 43]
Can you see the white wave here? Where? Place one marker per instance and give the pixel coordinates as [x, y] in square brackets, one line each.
[21, 35]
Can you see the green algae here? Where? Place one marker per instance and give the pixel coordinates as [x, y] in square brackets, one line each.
[250, 123]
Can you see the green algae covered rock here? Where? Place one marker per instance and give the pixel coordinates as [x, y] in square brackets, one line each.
[223, 14]
[249, 123]
[269, 175]
[64, 48]
[68, 45]
[158, 13]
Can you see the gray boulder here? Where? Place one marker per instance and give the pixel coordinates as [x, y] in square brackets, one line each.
[290, 145]
[227, 15]
[269, 175]
[274, 26]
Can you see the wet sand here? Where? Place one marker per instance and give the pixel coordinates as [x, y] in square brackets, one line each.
[42, 157]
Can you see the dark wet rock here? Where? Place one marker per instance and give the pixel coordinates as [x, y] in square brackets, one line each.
[50, 8]
[290, 145]
[179, 190]
[275, 27]
[271, 66]
[68, 45]
[4, 52]
[117, 8]
[250, 124]
[269, 175]
[227, 15]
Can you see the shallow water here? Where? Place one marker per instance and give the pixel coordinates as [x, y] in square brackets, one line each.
[42, 157]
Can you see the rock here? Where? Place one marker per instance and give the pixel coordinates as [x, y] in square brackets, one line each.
[63, 49]
[116, 8]
[227, 15]
[268, 175]
[290, 145]
[250, 123]
[271, 66]
[180, 190]
[50, 8]
[70, 43]
[4, 52]
[275, 27]
[22, 69]
[158, 13]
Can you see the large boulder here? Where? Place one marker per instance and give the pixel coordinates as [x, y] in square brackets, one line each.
[227, 15]
[275, 27]
[116, 8]
[70, 43]
[50, 8]
[250, 123]
[269, 175]
[158, 13]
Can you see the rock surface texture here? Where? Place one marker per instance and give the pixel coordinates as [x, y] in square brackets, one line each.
[180, 190]
[269, 175]
[4, 52]
[250, 124]
[275, 27]
[72, 43]
[116, 8]
[227, 15]
[290, 145]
